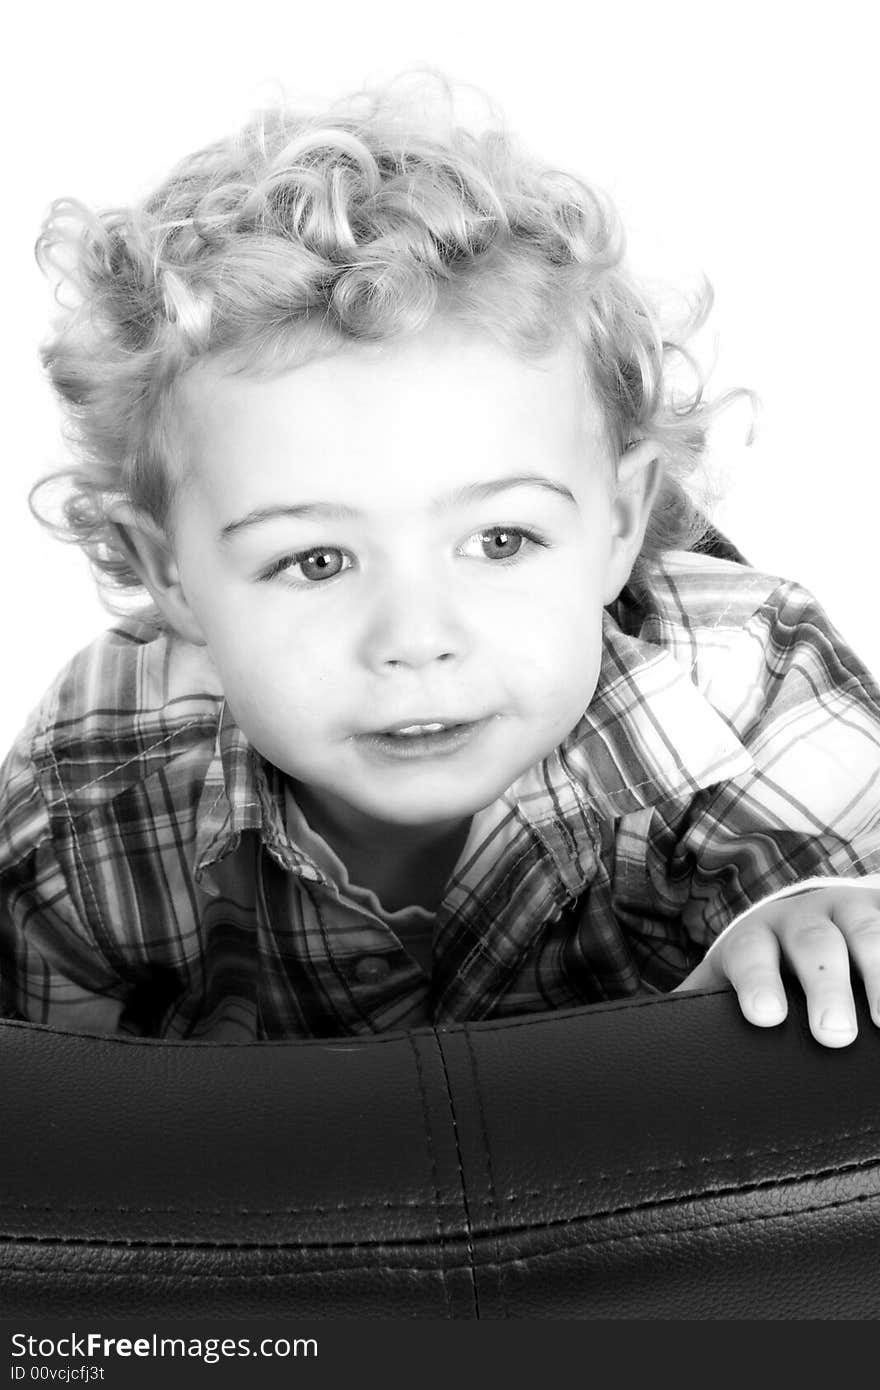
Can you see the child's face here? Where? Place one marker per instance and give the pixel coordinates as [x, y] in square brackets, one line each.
[422, 533]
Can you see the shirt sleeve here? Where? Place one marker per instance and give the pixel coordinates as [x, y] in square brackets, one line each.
[52, 970]
[808, 712]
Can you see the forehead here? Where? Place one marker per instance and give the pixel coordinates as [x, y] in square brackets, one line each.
[448, 404]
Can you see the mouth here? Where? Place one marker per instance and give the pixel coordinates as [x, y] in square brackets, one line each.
[419, 738]
[418, 727]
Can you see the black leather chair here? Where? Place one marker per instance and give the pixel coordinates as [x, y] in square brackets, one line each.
[659, 1159]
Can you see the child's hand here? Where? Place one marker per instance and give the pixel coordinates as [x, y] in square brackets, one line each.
[817, 934]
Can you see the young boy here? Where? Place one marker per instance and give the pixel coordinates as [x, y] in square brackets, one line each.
[435, 716]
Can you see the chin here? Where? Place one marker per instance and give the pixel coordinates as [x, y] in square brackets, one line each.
[430, 810]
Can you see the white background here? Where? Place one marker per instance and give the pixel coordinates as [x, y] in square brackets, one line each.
[739, 140]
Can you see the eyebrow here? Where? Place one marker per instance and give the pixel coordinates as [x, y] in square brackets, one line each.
[336, 511]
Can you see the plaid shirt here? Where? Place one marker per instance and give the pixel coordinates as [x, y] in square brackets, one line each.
[148, 883]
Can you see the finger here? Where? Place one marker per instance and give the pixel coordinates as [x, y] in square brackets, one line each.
[858, 918]
[750, 959]
[816, 952]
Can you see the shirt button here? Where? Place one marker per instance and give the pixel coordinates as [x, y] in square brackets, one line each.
[371, 969]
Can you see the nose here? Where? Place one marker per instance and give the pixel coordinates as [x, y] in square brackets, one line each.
[413, 623]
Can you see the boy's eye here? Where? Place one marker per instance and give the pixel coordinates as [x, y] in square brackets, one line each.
[499, 543]
[323, 562]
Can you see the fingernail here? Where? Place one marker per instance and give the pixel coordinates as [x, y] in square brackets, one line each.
[837, 1021]
[768, 1005]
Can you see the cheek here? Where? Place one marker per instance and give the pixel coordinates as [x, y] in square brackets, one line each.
[280, 685]
[571, 653]
[262, 640]
[281, 679]
[555, 634]
[285, 714]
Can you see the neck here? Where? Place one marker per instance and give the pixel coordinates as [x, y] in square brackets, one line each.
[402, 864]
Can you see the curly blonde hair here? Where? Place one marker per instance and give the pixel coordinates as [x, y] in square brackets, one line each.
[358, 222]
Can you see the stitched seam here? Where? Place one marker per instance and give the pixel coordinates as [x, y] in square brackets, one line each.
[414, 1204]
[484, 1134]
[331, 1271]
[698, 1228]
[432, 1159]
[106, 943]
[136, 757]
[519, 1260]
[659, 1203]
[742, 1189]
[708, 1161]
[195, 1246]
[464, 1194]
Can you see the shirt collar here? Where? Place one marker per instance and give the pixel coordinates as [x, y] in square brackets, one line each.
[648, 736]
[243, 792]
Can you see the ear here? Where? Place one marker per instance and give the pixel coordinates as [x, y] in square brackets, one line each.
[151, 555]
[639, 475]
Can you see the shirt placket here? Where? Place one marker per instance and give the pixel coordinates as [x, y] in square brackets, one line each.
[338, 969]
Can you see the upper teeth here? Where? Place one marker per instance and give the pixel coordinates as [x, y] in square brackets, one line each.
[421, 729]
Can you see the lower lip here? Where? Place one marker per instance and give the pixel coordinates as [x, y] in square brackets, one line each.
[405, 747]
